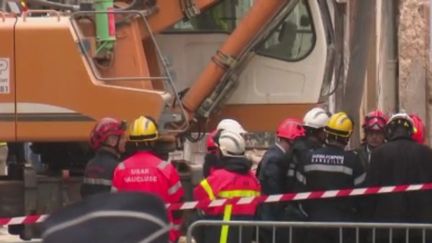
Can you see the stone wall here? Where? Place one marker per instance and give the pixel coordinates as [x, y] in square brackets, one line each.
[413, 56]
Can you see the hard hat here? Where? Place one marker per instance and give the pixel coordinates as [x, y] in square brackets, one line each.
[143, 129]
[418, 130]
[290, 128]
[104, 128]
[211, 143]
[340, 125]
[231, 125]
[316, 118]
[231, 144]
[402, 120]
[375, 121]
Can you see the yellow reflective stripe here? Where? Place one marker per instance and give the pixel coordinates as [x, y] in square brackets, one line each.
[204, 183]
[3, 144]
[225, 228]
[238, 193]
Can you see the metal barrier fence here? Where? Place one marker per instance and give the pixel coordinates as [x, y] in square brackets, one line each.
[314, 232]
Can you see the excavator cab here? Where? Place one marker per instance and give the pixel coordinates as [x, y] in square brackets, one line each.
[287, 68]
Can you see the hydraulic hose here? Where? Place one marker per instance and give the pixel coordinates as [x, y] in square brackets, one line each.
[54, 5]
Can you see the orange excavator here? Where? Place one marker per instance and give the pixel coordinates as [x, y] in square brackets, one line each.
[187, 63]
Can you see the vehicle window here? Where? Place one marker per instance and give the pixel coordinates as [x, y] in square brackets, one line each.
[219, 18]
[294, 38]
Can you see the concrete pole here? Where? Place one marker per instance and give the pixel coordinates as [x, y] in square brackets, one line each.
[414, 71]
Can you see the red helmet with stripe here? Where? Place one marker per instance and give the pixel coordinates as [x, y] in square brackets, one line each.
[103, 129]
[375, 121]
[290, 128]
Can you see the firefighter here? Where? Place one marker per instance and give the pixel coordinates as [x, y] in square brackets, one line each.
[330, 168]
[400, 161]
[146, 171]
[418, 134]
[314, 122]
[211, 160]
[231, 181]
[374, 130]
[272, 174]
[108, 140]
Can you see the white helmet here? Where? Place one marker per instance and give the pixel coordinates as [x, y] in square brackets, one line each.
[316, 118]
[231, 125]
[398, 118]
[231, 144]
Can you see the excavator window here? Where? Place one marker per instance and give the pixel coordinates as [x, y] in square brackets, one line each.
[221, 18]
[294, 38]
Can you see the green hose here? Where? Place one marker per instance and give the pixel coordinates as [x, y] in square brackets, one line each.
[105, 28]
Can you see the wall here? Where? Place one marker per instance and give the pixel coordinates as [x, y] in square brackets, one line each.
[413, 48]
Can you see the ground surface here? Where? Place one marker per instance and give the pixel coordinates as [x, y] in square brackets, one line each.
[5, 237]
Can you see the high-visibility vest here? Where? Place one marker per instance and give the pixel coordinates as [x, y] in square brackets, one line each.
[145, 172]
[226, 184]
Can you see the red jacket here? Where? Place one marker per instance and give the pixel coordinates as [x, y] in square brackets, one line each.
[227, 184]
[146, 172]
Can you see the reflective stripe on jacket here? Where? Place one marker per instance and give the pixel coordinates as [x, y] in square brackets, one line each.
[146, 172]
[98, 173]
[226, 184]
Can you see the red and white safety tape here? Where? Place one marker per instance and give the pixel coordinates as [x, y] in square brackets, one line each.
[31, 219]
[301, 196]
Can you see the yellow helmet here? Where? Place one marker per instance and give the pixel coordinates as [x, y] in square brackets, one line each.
[143, 129]
[340, 125]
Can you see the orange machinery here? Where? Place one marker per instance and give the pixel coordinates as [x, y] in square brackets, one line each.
[62, 71]
[54, 85]
[56, 89]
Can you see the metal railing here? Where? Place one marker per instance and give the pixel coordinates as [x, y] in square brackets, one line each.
[300, 232]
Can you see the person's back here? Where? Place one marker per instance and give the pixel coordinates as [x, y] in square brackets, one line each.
[233, 180]
[146, 170]
[314, 122]
[400, 162]
[98, 173]
[272, 170]
[330, 168]
[109, 218]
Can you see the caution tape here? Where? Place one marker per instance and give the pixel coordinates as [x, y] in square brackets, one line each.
[31, 219]
[301, 196]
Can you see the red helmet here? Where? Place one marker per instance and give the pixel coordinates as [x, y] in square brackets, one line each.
[418, 134]
[375, 121]
[290, 128]
[211, 143]
[103, 129]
